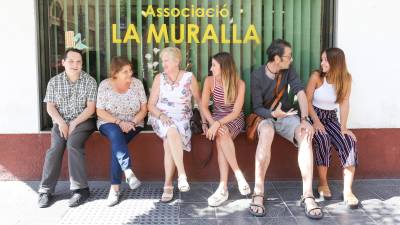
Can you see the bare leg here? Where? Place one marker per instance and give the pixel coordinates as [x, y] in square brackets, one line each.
[263, 158]
[176, 149]
[348, 176]
[322, 172]
[305, 161]
[223, 169]
[169, 165]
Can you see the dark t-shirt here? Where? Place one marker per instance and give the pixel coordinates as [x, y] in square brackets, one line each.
[262, 89]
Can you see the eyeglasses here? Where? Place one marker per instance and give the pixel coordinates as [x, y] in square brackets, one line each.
[290, 56]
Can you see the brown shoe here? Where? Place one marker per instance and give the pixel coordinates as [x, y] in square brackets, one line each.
[324, 192]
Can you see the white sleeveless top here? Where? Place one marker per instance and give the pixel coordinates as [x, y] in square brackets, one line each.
[325, 96]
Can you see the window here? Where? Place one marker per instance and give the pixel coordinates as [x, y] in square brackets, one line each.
[307, 24]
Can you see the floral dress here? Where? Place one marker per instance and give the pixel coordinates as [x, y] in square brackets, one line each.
[175, 101]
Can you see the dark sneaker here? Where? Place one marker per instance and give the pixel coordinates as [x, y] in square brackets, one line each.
[44, 200]
[78, 197]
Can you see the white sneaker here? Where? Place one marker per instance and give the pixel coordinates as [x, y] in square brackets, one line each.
[218, 198]
[113, 198]
[133, 182]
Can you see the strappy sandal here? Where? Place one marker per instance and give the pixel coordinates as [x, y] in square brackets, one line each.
[167, 195]
[259, 206]
[324, 192]
[350, 200]
[183, 185]
[244, 187]
[218, 198]
[308, 210]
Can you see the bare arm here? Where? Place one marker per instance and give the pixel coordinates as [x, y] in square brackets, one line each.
[344, 111]
[205, 99]
[154, 94]
[196, 95]
[86, 114]
[104, 115]
[54, 114]
[310, 89]
[302, 98]
[141, 114]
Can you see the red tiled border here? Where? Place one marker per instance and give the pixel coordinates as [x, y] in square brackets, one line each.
[21, 157]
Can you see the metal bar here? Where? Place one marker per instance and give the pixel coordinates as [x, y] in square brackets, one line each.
[128, 21]
[97, 21]
[150, 75]
[268, 24]
[226, 22]
[288, 21]
[76, 17]
[171, 19]
[65, 15]
[87, 36]
[140, 46]
[246, 51]
[236, 33]
[278, 19]
[182, 20]
[297, 35]
[118, 22]
[203, 46]
[315, 34]
[193, 46]
[215, 22]
[257, 21]
[306, 37]
[108, 35]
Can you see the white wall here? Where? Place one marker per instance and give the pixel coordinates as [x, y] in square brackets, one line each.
[19, 108]
[369, 33]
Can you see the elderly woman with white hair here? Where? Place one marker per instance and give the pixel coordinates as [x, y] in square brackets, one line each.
[170, 107]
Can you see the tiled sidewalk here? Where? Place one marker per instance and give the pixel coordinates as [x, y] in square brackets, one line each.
[380, 201]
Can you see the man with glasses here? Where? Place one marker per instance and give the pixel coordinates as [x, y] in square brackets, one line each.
[71, 104]
[270, 99]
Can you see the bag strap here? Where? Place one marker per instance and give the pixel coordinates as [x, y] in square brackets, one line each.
[279, 95]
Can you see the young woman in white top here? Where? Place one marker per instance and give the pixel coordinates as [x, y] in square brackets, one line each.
[328, 90]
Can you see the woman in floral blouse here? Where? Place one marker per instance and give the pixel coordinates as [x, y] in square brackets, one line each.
[170, 106]
[121, 108]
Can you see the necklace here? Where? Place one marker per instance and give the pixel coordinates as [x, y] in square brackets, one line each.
[274, 74]
[173, 81]
[176, 78]
[270, 70]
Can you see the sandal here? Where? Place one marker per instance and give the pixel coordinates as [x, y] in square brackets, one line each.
[167, 195]
[183, 185]
[259, 206]
[244, 187]
[324, 192]
[218, 198]
[307, 210]
[350, 200]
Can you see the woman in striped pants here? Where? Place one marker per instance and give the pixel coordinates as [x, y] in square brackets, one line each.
[327, 90]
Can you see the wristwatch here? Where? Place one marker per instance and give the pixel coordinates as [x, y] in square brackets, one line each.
[306, 118]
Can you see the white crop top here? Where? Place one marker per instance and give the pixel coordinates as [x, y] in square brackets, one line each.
[325, 96]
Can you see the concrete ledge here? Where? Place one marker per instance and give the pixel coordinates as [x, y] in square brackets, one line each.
[22, 155]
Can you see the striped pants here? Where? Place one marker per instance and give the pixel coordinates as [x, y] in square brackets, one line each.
[322, 143]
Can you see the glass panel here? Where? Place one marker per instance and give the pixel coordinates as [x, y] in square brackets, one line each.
[121, 27]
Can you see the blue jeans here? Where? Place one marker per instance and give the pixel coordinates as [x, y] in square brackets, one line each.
[120, 159]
